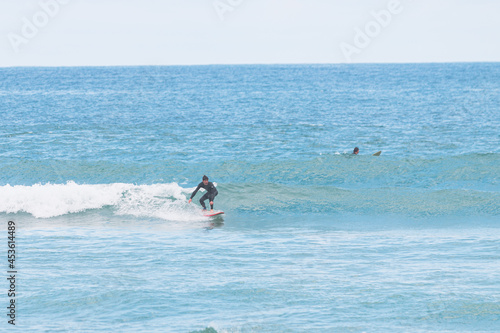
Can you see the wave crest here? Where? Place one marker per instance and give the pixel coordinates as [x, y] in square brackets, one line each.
[166, 201]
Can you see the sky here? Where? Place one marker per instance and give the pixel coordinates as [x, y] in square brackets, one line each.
[198, 32]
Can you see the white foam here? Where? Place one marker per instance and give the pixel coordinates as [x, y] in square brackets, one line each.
[165, 201]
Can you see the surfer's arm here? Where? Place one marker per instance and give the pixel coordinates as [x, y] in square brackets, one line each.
[194, 193]
[213, 189]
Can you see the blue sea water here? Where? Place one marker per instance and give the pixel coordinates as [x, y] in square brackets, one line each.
[97, 164]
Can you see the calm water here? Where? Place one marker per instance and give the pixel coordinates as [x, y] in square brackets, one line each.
[96, 165]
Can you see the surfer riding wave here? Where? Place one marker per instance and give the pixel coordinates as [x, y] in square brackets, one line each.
[210, 195]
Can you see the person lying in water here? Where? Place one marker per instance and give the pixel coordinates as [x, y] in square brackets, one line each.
[210, 195]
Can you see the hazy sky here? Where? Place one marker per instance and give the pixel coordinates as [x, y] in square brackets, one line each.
[168, 32]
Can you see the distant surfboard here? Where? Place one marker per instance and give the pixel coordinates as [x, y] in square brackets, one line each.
[377, 153]
[212, 214]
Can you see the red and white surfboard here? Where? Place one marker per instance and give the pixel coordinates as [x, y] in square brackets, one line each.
[209, 214]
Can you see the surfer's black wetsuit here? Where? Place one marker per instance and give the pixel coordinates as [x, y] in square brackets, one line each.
[210, 195]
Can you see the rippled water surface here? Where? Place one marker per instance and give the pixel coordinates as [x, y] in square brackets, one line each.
[97, 164]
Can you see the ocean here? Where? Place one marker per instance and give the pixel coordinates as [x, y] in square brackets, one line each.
[97, 165]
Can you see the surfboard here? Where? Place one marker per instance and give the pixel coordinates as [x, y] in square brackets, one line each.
[212, 214]
[377, 153]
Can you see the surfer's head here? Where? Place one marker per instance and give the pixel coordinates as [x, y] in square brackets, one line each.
[205, 180]
[356, 151]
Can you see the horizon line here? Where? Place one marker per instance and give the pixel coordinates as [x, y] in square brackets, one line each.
[256, 64]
